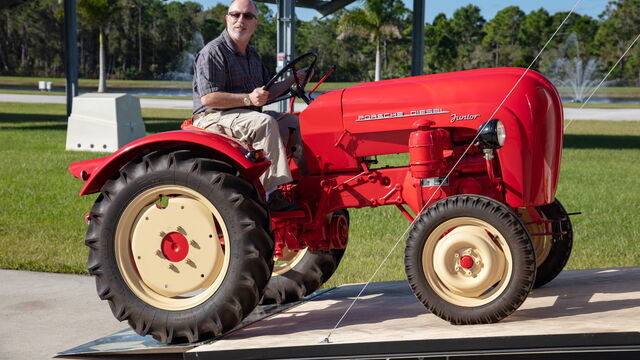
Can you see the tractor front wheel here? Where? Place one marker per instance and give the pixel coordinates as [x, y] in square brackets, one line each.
[180, 246]
[469, 260]
[552, 237]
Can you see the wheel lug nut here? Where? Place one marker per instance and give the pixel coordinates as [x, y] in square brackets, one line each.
[191, 263]
[174, 268]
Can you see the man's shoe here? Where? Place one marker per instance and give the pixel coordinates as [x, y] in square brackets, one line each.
[278, 203]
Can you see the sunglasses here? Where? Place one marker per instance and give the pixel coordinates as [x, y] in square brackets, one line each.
[236, 15]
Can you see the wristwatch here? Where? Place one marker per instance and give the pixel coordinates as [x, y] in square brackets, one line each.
[247, 100]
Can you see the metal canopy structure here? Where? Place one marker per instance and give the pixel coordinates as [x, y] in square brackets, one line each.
[70, 52]
[324, 7]
[286, 36]
[417, 38]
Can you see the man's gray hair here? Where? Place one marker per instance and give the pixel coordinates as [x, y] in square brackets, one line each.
[253, 3]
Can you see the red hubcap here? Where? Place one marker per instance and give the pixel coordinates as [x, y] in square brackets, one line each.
[466, 262]
[175, 247]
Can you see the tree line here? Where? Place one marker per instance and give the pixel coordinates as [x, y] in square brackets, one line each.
[155, 39]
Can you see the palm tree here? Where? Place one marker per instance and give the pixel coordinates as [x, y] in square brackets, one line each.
[98, 13]
[378, 20]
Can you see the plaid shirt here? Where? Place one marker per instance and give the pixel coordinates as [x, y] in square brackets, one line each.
[219, 66]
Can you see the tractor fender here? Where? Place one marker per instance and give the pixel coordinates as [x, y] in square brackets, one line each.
[96, 172]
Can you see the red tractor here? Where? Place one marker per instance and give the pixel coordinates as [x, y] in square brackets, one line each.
[183, 247]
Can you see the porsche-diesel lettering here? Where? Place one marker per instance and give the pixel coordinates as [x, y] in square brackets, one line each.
[401, 114]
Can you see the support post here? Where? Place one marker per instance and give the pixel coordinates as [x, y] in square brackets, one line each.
[70, 52]
[286, 39]
[417, 41]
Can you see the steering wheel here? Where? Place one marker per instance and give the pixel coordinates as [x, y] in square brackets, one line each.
[297, 89]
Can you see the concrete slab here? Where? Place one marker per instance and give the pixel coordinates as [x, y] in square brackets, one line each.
[145, 103]
[602, 114]
[577, 302]
[42, 313]
[33, 99]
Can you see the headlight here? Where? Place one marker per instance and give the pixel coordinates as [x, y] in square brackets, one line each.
[492, 134]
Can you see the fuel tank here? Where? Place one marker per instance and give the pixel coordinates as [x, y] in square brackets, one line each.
[377, 118]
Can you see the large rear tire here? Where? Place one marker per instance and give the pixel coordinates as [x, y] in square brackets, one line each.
[180, 246]
[552, 238]
[299, 273]
[469, 260]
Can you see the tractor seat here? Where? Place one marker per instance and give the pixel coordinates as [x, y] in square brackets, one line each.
[188, 125]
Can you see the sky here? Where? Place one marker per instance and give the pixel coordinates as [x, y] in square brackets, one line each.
[488, 8]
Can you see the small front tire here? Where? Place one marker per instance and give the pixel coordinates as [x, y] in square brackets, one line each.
[552, 238]
[469, 260]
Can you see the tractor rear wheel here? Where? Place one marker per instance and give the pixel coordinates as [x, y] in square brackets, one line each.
[180, 246]
[469, 260]
[298, 273]
[552, 239]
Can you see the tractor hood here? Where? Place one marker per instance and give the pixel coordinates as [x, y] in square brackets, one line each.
[379, 117]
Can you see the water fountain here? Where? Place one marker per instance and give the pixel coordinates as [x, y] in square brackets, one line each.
[570, 71]
[183, 70]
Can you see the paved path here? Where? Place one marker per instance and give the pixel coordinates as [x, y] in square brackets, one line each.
[145, 103]
[42, 314]
[602, 114]
[570, 113]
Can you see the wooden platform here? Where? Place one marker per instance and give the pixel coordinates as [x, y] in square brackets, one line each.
[583, 313]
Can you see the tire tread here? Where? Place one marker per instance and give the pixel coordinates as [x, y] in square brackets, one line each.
[210, 318]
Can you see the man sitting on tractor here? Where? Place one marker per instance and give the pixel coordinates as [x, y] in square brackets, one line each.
[228, 95]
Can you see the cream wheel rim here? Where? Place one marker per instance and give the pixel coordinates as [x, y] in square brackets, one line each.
[538, 231]
[169, 247]
[288, 260]
[467, 262]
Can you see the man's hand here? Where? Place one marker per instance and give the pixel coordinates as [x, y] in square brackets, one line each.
[259, 96]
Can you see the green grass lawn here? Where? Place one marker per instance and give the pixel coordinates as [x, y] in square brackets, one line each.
[603, 105]
[41, 225]
[612, 91]
[41, 214]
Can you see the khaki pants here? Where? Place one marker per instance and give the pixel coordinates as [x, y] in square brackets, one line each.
[267, 130]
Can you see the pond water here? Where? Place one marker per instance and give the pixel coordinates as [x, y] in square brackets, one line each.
[605, 100]
[188, 93]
